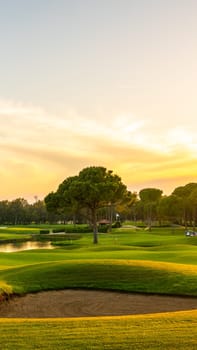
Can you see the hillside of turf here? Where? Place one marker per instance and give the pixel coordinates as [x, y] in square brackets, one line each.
[162, 261]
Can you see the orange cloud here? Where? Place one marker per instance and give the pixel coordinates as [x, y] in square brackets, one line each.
[39, 150]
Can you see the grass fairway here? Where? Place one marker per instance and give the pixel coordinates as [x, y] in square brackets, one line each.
[169, 331]
[123, 275]
[163, 262]
[158, 262]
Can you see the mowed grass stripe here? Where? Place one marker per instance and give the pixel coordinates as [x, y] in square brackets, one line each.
[169, 331]
[125, 275]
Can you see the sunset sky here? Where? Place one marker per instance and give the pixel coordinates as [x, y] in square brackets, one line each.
[97, 82]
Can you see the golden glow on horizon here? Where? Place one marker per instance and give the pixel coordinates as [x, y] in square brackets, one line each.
[39, 150]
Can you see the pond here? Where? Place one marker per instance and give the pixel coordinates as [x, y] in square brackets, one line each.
[16, 247]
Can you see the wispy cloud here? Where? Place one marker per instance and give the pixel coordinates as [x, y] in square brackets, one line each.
[43, 149]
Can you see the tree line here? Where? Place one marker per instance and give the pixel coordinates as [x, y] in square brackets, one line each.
[20, 212]
[97, 193]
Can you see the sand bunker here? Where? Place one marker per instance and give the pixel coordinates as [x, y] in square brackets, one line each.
[78, 303]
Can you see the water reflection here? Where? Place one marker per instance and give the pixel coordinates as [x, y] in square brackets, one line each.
[16, 247]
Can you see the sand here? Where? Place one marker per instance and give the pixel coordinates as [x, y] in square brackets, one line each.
[82, 303]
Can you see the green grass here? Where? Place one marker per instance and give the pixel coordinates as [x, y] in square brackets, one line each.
[166, 331]
[16, 233]
[154, 262]
[124, 275]
[18, 230]
[162, 261]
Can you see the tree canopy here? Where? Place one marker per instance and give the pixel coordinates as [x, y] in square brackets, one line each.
[150, 198]
[94, 187]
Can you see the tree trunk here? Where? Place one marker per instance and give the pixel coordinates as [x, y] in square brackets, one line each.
[185, 218]
[194, 219]
[95, 228]
[110, 217]
[150, 218]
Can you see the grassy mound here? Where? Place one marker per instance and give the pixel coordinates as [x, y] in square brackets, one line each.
[124, 275]
[163, 262]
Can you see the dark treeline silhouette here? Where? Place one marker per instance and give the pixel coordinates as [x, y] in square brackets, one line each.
[20, 212]
[180, 207]
[149, 207]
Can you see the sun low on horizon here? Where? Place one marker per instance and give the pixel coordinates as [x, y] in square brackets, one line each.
[104, 83]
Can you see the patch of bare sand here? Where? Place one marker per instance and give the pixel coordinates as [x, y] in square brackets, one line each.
[78, 303]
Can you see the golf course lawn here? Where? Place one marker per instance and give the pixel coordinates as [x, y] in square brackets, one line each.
[167, 331]
[160, 262]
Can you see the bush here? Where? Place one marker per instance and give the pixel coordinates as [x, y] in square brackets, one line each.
[44, 231]
[56, 238]
[58, 230]
[103, 228]
[78, 229]
[116, 224]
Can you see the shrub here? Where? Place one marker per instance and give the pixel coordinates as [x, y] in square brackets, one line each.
[78, 229]
[116, 224]
[58, 230]
[44, 231]
[56, 238]
[103, 228]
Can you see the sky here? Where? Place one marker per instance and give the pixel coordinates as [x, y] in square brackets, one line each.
[108, 83]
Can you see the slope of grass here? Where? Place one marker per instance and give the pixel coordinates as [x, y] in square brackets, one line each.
[122, 261]
[183, 254]
[125, 275]
[163, 261]
[169, 331]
